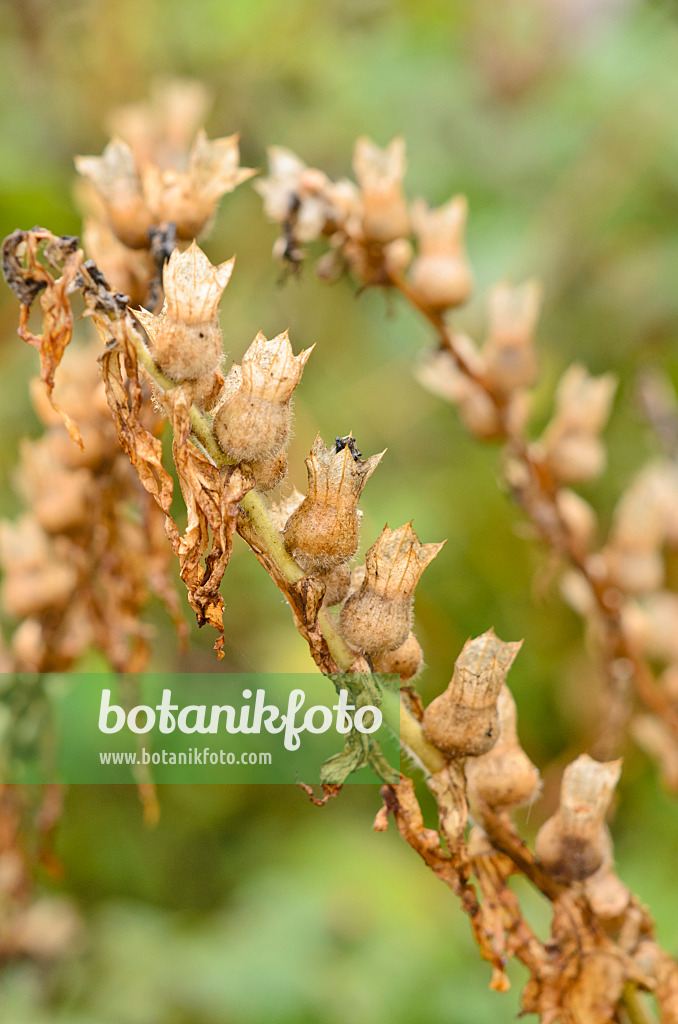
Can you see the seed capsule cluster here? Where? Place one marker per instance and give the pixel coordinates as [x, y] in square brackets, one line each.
[370, 225]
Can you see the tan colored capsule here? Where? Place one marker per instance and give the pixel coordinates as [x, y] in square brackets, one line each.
[378, 617]
[504, 777]
[323, 531]
[405, 660]
[441, 275]
[253, 421]
[186, 338]
[573, 843]
[464, 721]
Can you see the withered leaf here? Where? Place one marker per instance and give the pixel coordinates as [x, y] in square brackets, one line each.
[212, 496]
[124, 393]
[28, 279]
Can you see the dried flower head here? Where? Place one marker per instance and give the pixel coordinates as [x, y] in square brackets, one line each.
[186, 338]
[504, 777]
[572, 843]
[253, 421]
[378, 617]
[115, 176]
[571, 444]
[380, 173]
[509, 355]
[323, 531]
[464, 721]
[189, 198]
[441, 275]
[158, 182]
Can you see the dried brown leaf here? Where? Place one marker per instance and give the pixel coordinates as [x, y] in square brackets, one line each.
[212, 496]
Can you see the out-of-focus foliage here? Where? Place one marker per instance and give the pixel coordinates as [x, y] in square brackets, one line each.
[558, 121]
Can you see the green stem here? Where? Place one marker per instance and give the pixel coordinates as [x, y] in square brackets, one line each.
[254, 507]
[411, 734]
[637, 1010]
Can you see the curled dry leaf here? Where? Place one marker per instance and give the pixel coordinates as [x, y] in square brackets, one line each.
[212, 496]
[27, 277]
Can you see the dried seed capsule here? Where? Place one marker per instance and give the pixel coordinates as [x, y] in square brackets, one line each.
[572, 844]
[337, 582]
[464, 719]
[405, 660]
[186, 338]
[504, 777]
[253, 421]
[116, 179]
[570, 445]
[380, 174]
[323, 531]
[441, 275]
[379, 616]
[189, 198]
[268, 473]
[510, 358]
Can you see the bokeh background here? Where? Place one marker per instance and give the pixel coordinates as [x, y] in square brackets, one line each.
[557, 119]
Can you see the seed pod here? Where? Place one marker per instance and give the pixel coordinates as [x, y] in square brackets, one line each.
[323, 531]
[253, 422]
[380, 173]
[337, 582]
[378, 617]
[441, 275]
[608, 897]
[270, 472]
[186, 338]
[504, 777]
[572, 844]
[405, 660]
[189, 198]
[115, 177]
[571, 446]
[510, 358]
[464, 719]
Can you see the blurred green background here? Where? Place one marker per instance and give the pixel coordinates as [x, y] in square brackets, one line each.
[557, 119]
